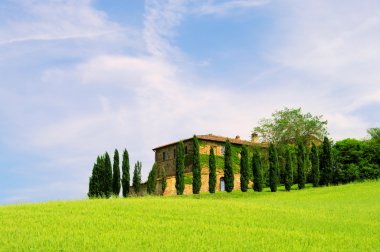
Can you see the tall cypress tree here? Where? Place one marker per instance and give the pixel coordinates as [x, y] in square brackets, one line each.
[326, 163]
[273, 168]
[212, 174]
[94, 184]
[197, 182]
[180, 168]
[107, 176]
[137, 177]
[101, 174]
[257, 171]
[244, 169]
[125, 180]
[163, 181]
[228, 171]
[315, 175]
[116, 174]
[152, 180]
[301, 176]
[288, 171]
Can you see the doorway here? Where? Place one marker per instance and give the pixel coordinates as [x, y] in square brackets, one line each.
[222, 184]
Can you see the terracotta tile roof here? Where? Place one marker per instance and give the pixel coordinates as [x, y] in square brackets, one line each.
[214, 138]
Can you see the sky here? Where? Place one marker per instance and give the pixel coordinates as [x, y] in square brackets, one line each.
[82, 77]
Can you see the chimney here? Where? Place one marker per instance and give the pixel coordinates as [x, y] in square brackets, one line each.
[254, 137]
[237, 137]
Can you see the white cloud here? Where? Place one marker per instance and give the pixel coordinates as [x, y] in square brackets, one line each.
[222, 8]
[55, 20]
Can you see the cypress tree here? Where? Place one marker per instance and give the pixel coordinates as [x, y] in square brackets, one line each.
[100, 168]
[163, 181]
[107, 176]
[197, 182]
[93, 190]
[125, 180]
[315, 175]
[273, 168]
[152, 180]
[212, 174]
[326, 163]
[137, 177]
[116, 174]
[244, 169]
[180, 168]
[301, 176]
[228, 172]
[257, 171]
[288, 171]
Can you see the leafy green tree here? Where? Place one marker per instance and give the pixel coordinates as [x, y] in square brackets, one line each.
[107, 176]
[180, 168]
[257, 171]
[374, 133]
[301, 176]
[152, 180]
[273, 168]
[163, 181]
[228, 171]
[137, 177]
[125, 180]
[355, 160]
[244, 169]
[326, 166]
[288, 171]
[116, 174]
[291, 126]
[314, 157]
[212, 174]
[197, 182]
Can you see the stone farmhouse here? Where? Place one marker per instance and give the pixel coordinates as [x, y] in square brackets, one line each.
[165, 158]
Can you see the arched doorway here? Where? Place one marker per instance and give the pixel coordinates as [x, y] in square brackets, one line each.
[222, 184]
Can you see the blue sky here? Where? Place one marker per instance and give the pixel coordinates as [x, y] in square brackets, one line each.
[81, 77]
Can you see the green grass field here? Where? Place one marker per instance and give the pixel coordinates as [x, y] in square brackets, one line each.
[337, 218]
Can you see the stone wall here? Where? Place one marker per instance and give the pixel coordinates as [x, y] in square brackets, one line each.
[170, 184]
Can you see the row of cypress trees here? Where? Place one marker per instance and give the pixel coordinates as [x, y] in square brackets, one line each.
[321, 167]
[105, 180]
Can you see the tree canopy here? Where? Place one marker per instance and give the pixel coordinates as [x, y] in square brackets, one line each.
[291, 126]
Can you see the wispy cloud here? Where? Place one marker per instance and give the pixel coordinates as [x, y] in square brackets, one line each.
[224, 7]
[54, 20]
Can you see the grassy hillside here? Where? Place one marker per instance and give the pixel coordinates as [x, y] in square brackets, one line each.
[345, 218]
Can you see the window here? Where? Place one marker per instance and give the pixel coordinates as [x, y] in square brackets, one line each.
[175, 153]
[185, 150]
[223, 149]
[164, 156]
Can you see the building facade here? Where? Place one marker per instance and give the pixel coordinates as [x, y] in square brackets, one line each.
[165, 158]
